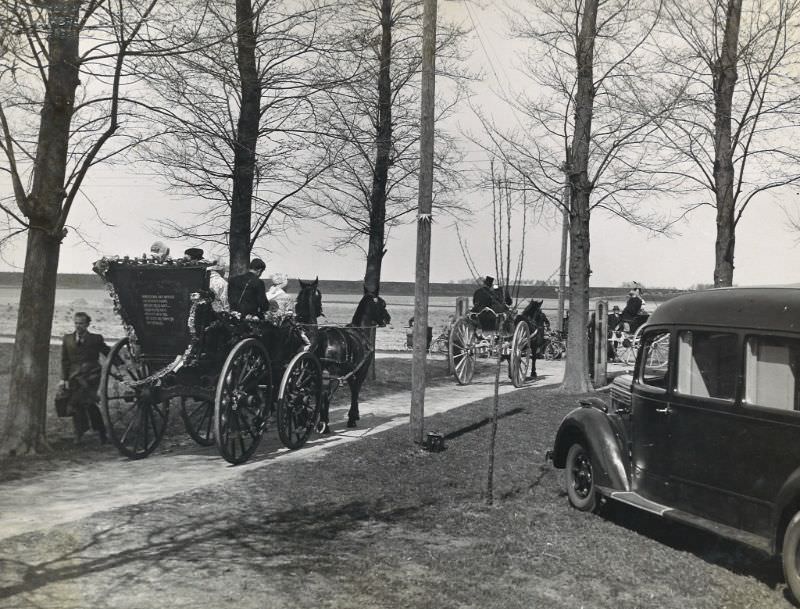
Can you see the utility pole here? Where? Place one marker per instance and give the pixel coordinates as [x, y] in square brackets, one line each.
[422, 285]
[562, 273]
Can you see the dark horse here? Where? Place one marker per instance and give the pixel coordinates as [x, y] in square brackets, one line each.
[345, 352]
[309, 303]
[538, 322]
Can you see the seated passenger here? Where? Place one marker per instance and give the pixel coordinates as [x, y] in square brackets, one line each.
[218, 285]
[159, 251]
[633, 306]
[194, 254]
[281, 304]
[279, 301]
[614, 318]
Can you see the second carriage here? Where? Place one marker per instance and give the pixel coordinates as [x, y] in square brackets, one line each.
[229, 376]
[489, 334]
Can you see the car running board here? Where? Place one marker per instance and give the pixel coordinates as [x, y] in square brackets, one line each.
[636, 500]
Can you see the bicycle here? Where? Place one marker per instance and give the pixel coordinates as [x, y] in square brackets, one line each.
[555, 345]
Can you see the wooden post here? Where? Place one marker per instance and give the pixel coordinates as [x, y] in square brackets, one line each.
[373, 333]
[422, 286]
[601, 344]
[462, 306]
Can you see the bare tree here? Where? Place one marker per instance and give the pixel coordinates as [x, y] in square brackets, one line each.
[591, 116]
[737, 127]
[511, 208]
[62, 77]
[238, 121]
[375, 114]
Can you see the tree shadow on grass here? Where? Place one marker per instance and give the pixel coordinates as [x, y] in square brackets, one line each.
[726, 553]
[478, 424]
[312, 537]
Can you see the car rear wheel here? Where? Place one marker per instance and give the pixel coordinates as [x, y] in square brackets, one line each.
[580, 479]
[791, 560]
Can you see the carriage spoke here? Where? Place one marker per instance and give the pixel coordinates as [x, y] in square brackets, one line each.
[242, 398]
[299, 400]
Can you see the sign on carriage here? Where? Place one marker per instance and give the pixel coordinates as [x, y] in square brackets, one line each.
[156, 302]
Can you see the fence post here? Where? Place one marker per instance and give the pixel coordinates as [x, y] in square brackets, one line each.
[601, 343]
[373, 374]
[462, 306]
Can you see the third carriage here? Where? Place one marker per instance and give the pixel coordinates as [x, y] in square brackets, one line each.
[488, 334]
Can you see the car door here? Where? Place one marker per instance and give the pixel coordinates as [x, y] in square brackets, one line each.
[650, 417]
[766, 445]
[706, 425]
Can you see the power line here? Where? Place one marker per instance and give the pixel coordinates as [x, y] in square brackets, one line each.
[491, 63]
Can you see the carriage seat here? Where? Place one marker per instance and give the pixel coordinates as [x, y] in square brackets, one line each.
[489, 320]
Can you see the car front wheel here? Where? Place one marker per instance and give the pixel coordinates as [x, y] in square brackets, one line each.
[791, 560]
[580, 479]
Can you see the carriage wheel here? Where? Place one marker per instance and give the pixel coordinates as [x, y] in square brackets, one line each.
[135, 417]
[461, 351]
[299, 400]
[244, 394]
[197, 413]
[521, 354]
[633, 348]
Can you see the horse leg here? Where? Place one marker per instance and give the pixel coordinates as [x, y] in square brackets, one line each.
[352, 414]
[534, 357]
[322, 426]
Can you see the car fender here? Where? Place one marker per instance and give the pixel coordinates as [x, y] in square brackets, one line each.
[592, 425]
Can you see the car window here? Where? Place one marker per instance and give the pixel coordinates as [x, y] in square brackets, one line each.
[770, 372]
[654, 365]
[707, 364]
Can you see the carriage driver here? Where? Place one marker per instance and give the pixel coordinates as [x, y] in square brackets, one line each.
[247, 293]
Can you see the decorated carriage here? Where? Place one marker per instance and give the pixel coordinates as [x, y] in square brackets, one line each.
[487, 334]
[229, 376]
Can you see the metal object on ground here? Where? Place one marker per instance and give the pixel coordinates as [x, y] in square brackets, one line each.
[434, 442]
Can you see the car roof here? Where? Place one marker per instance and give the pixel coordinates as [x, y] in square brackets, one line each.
[763, 308]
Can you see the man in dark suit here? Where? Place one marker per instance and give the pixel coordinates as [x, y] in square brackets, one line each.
[484, 296]
[80, 374]
[247, 293]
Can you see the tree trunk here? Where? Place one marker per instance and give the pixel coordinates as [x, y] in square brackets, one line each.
[27, 408]
[383, 149]
[576, 371]
[724, 71]
[244, 155]
[24, 430]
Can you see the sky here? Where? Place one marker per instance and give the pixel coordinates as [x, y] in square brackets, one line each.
[131, 204]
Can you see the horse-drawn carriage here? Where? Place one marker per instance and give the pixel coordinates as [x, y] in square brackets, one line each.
[229, 375]
[489, 333]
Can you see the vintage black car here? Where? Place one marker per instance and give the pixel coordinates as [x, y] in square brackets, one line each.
[706, 431]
